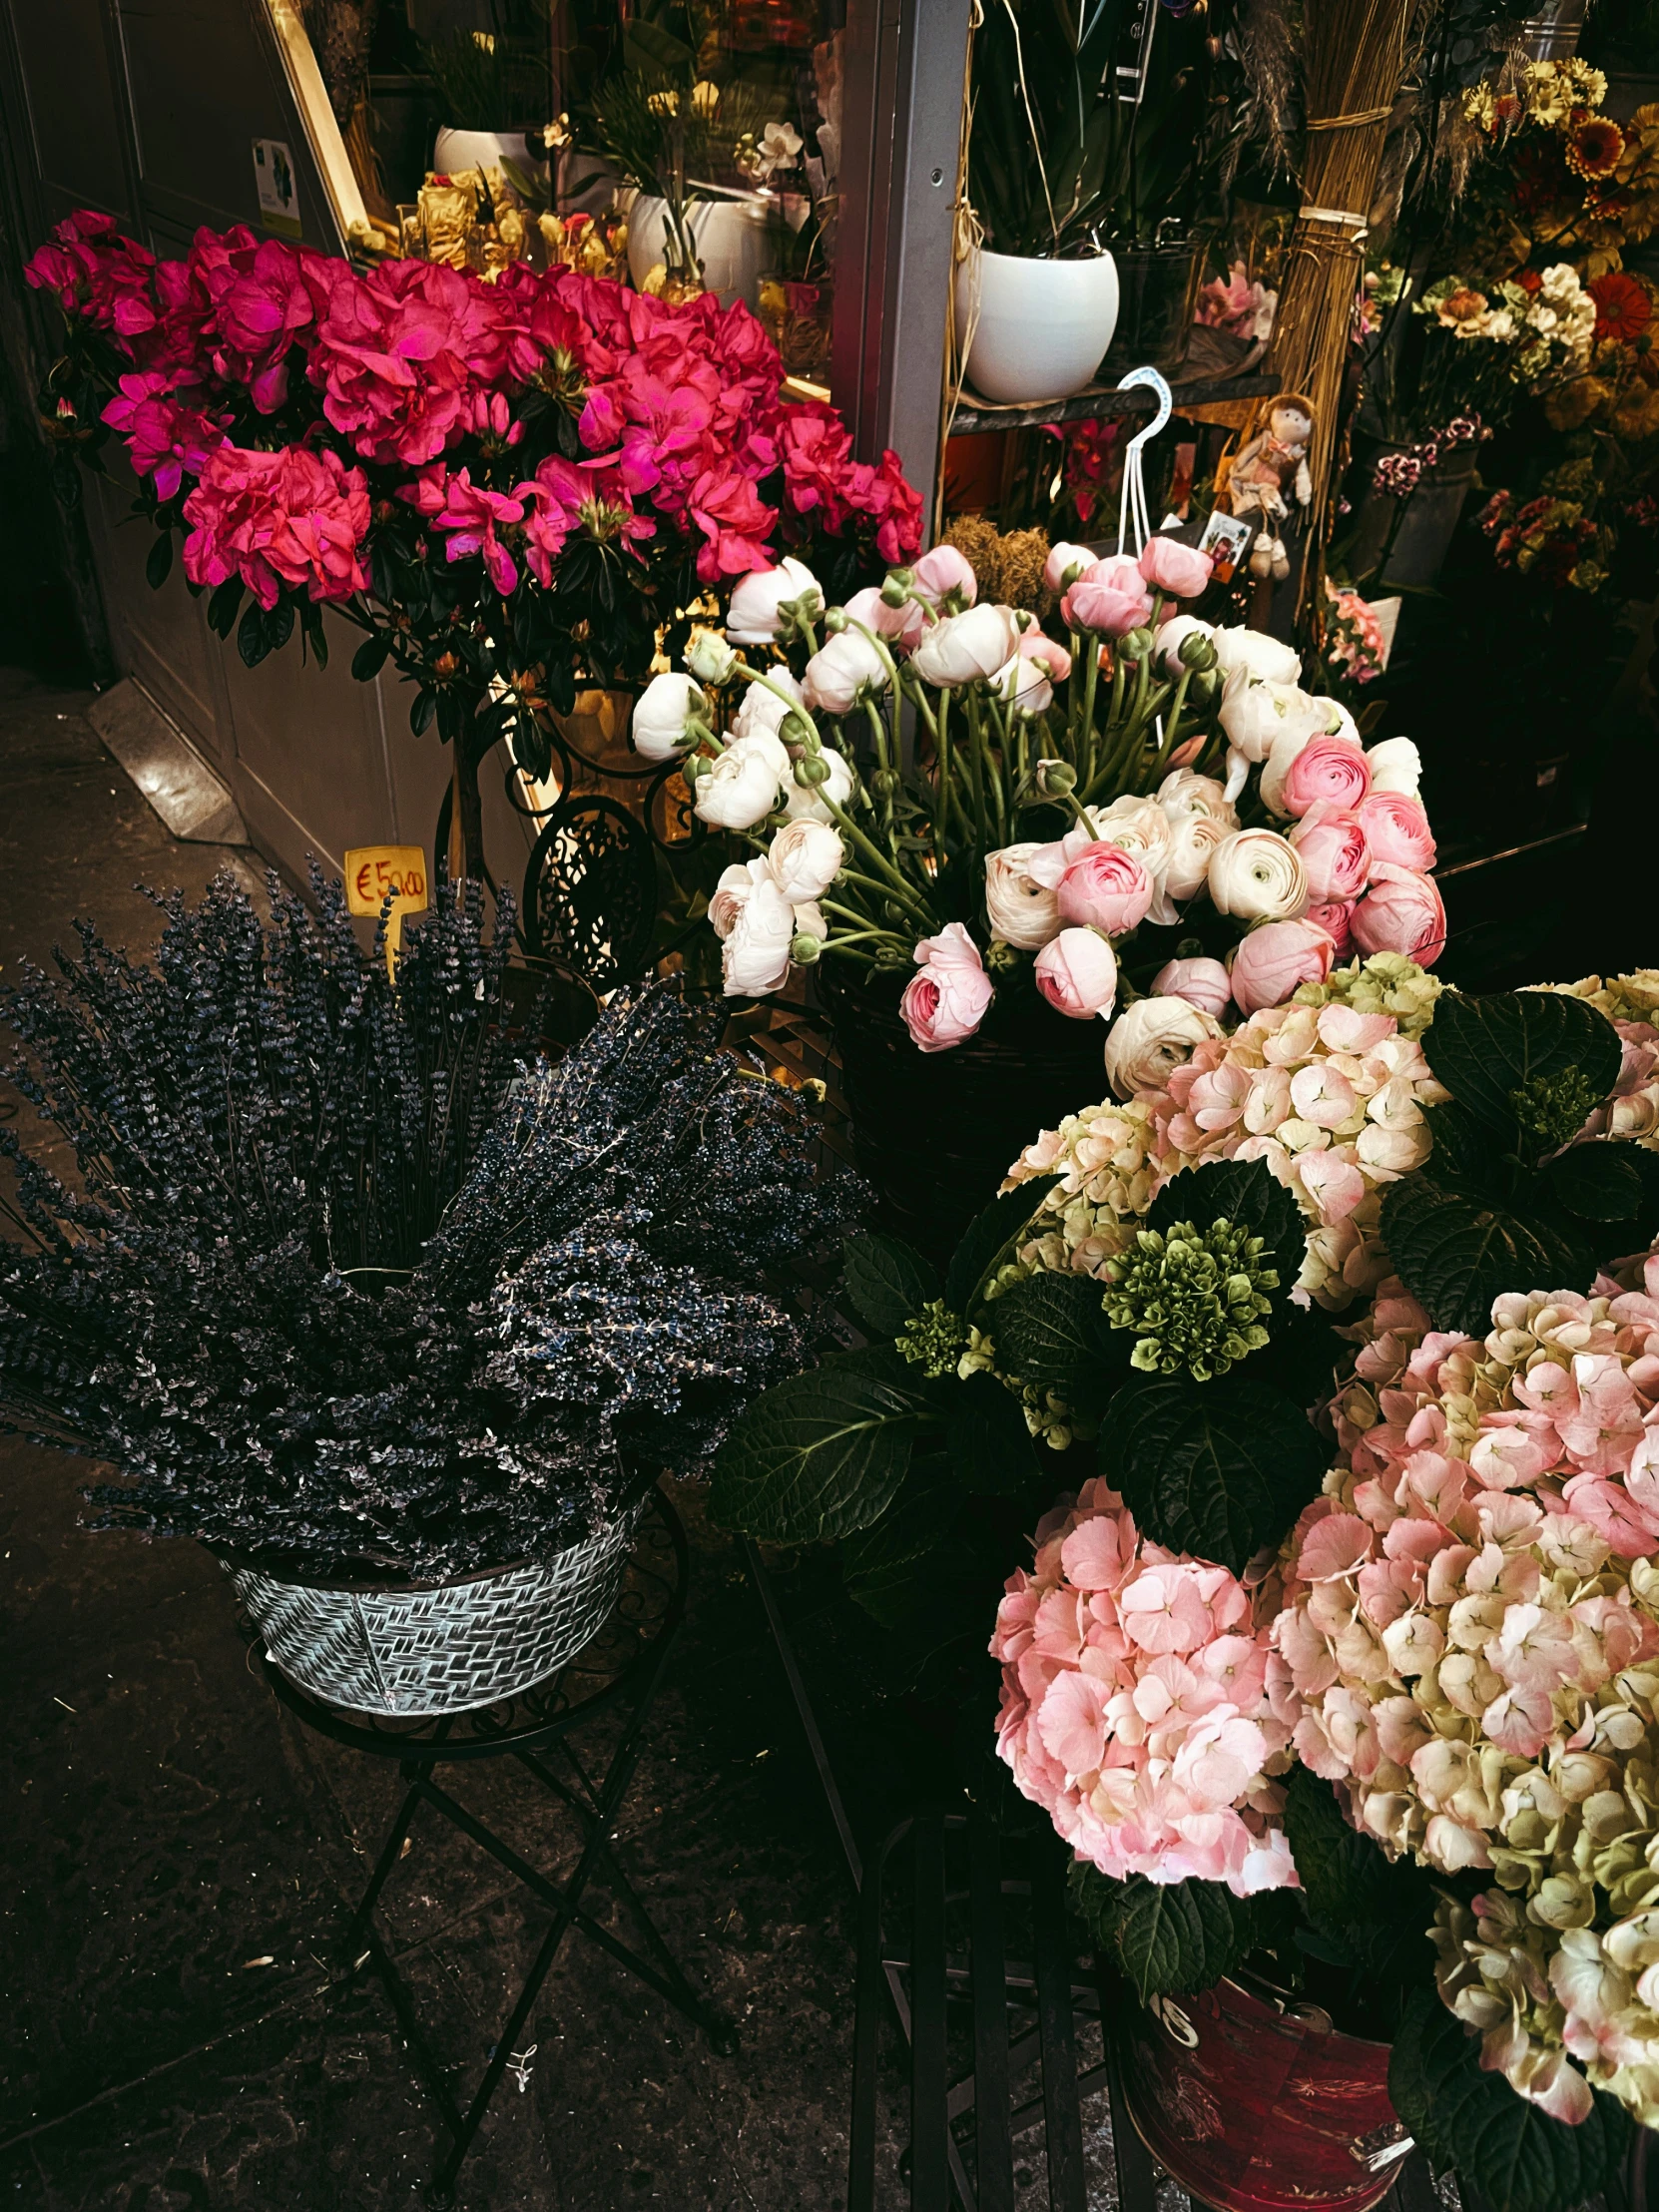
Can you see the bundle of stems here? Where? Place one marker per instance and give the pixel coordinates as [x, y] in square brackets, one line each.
[1355, 61]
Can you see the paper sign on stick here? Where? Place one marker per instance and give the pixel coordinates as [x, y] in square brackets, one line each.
[376, 872]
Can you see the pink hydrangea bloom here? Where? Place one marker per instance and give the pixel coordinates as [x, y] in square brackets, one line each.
[1141, 1707]
[166, 438]
[291, 517]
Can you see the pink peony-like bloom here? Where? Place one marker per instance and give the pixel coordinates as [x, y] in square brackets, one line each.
[1111, 599]
[1396, 830]
[1101, 886]
[1334, 853]
[1401, 913]
[1203, 983]
[166, 440]
[944, 574]
[1141, 1706]
[1268, 965]
[1078, 975]
[1181, 570]
[947, 1000]
[1331, 768]
[291, 517]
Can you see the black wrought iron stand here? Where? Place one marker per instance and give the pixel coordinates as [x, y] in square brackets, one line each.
[621, 1669]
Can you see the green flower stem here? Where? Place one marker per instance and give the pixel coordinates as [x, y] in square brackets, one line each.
[1086, 734]
[754, 676]
[881, 645]
[1172, 731]
[901, 889]
[976, 773]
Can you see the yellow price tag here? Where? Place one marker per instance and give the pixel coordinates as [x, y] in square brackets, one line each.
[376, 872]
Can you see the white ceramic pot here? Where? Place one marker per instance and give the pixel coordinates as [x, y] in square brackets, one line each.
[729, 238]
[458, 151]
[1043, 326]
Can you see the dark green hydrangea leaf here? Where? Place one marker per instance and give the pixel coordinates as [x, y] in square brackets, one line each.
[1472, 2121]
[1372, 1911]
[1523, 1056]
[1246, 1191]
[1172, 1938]
[888, 1281]
[987, 1240]
[1599, 1182]
[990, 1448]
[1050, 1330]
[1455, 1254]
[822, 1455]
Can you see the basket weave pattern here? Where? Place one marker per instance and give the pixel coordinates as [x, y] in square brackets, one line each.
[445, 1650]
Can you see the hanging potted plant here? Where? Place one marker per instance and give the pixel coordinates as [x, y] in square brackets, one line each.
[1348, 1720]
[401, 1326]
[1086, 127]
[1089, 819]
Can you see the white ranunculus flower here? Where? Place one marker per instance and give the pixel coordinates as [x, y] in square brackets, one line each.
[805, 858]
[1183, 792]
[1025, 685]
[1151, 1038]
[1021, 910]
[1255, 715]
[742, 787]
[806, 801]
[753, 616]
[1257, 875]
[1193, 841]
[1065, 564]
[811, 920]
[732, 891]
[845, 668]
[1268, 660]
[762, 709]
[755, 958]
[1396, 766]
[961, 648]
[1172, 635]
[660, 713]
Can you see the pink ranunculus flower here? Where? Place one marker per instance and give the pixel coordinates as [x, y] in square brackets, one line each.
[1078, 975]
[1104, 888]
[947, 1000]
[1065, 564]
[944, 574]
[1336, 919]
[291, 517]
[1335, 851]
[1181, 570]
[1330, 767]
[1111, 598]
[901, 627]
[1141, 1705]
[1396, 830]
[1203, 983]
[1268, 964]
[1402, 912]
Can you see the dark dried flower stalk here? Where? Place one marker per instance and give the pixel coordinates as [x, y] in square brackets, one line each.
[346, 1284]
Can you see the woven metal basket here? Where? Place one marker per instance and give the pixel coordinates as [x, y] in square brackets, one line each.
[447, 1647]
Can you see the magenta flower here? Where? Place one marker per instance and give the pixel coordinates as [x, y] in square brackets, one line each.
[104, 278]
[262, 295]
[407, 359]
[470, 513]
[165, 438]
[727, 510]
[291, 517]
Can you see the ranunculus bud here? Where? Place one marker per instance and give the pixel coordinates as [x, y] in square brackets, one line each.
[1150, 1039]
[1173, 634]
[1020, 911]
[902, 626]
[762, 709]
[1197, 653]
[805, 950]
[770, 603]
[811, 801]
[811, 769]
[1271, 962]
[947, 1000]
[1057, 777]
[1136, 645]
[1255, 874]
[944, 574]
[660, 713]
[709, 657]
[1078, 975]
[1065, 564]
[1202, 983]
[898, 586]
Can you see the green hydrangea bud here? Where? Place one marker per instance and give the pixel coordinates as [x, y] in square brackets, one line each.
[1195, 1298]
[935, 1339]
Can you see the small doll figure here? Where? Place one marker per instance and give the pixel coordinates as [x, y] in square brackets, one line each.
[1269, 470]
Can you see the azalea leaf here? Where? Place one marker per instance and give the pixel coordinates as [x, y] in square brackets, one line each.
[158, 562]
[1466, 2118]
[252, 642]
[888, 1281]
[822, 1455]
[1214, 1468]
[370, 657]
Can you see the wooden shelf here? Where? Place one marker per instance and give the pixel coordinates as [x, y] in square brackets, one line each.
[976, 414]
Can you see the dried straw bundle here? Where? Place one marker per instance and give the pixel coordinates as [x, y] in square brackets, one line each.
[1355, 61]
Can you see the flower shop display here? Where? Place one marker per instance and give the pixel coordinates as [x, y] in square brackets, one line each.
[1072, 807]
[512, 487]
[366, 1296]
[1561, 174]
[1356, 1721]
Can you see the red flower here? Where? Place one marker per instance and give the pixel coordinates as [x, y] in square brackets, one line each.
[291, 517]
[409, 359]
[727, 510]
[470, 513]
[1624, 306]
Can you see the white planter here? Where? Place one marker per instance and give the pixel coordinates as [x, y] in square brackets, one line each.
[729, 238]
[457, 151]
[1043, 326]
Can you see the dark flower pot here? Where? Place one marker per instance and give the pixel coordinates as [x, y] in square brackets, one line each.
[1251, 2110]
[935, 1132]
[1421, 524]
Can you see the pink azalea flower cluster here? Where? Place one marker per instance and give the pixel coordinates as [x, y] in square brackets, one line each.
[682, 414]
[289, 518]
[1471, 1617]
[1140, 1707]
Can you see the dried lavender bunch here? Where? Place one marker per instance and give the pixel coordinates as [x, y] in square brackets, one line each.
[346, 1284]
